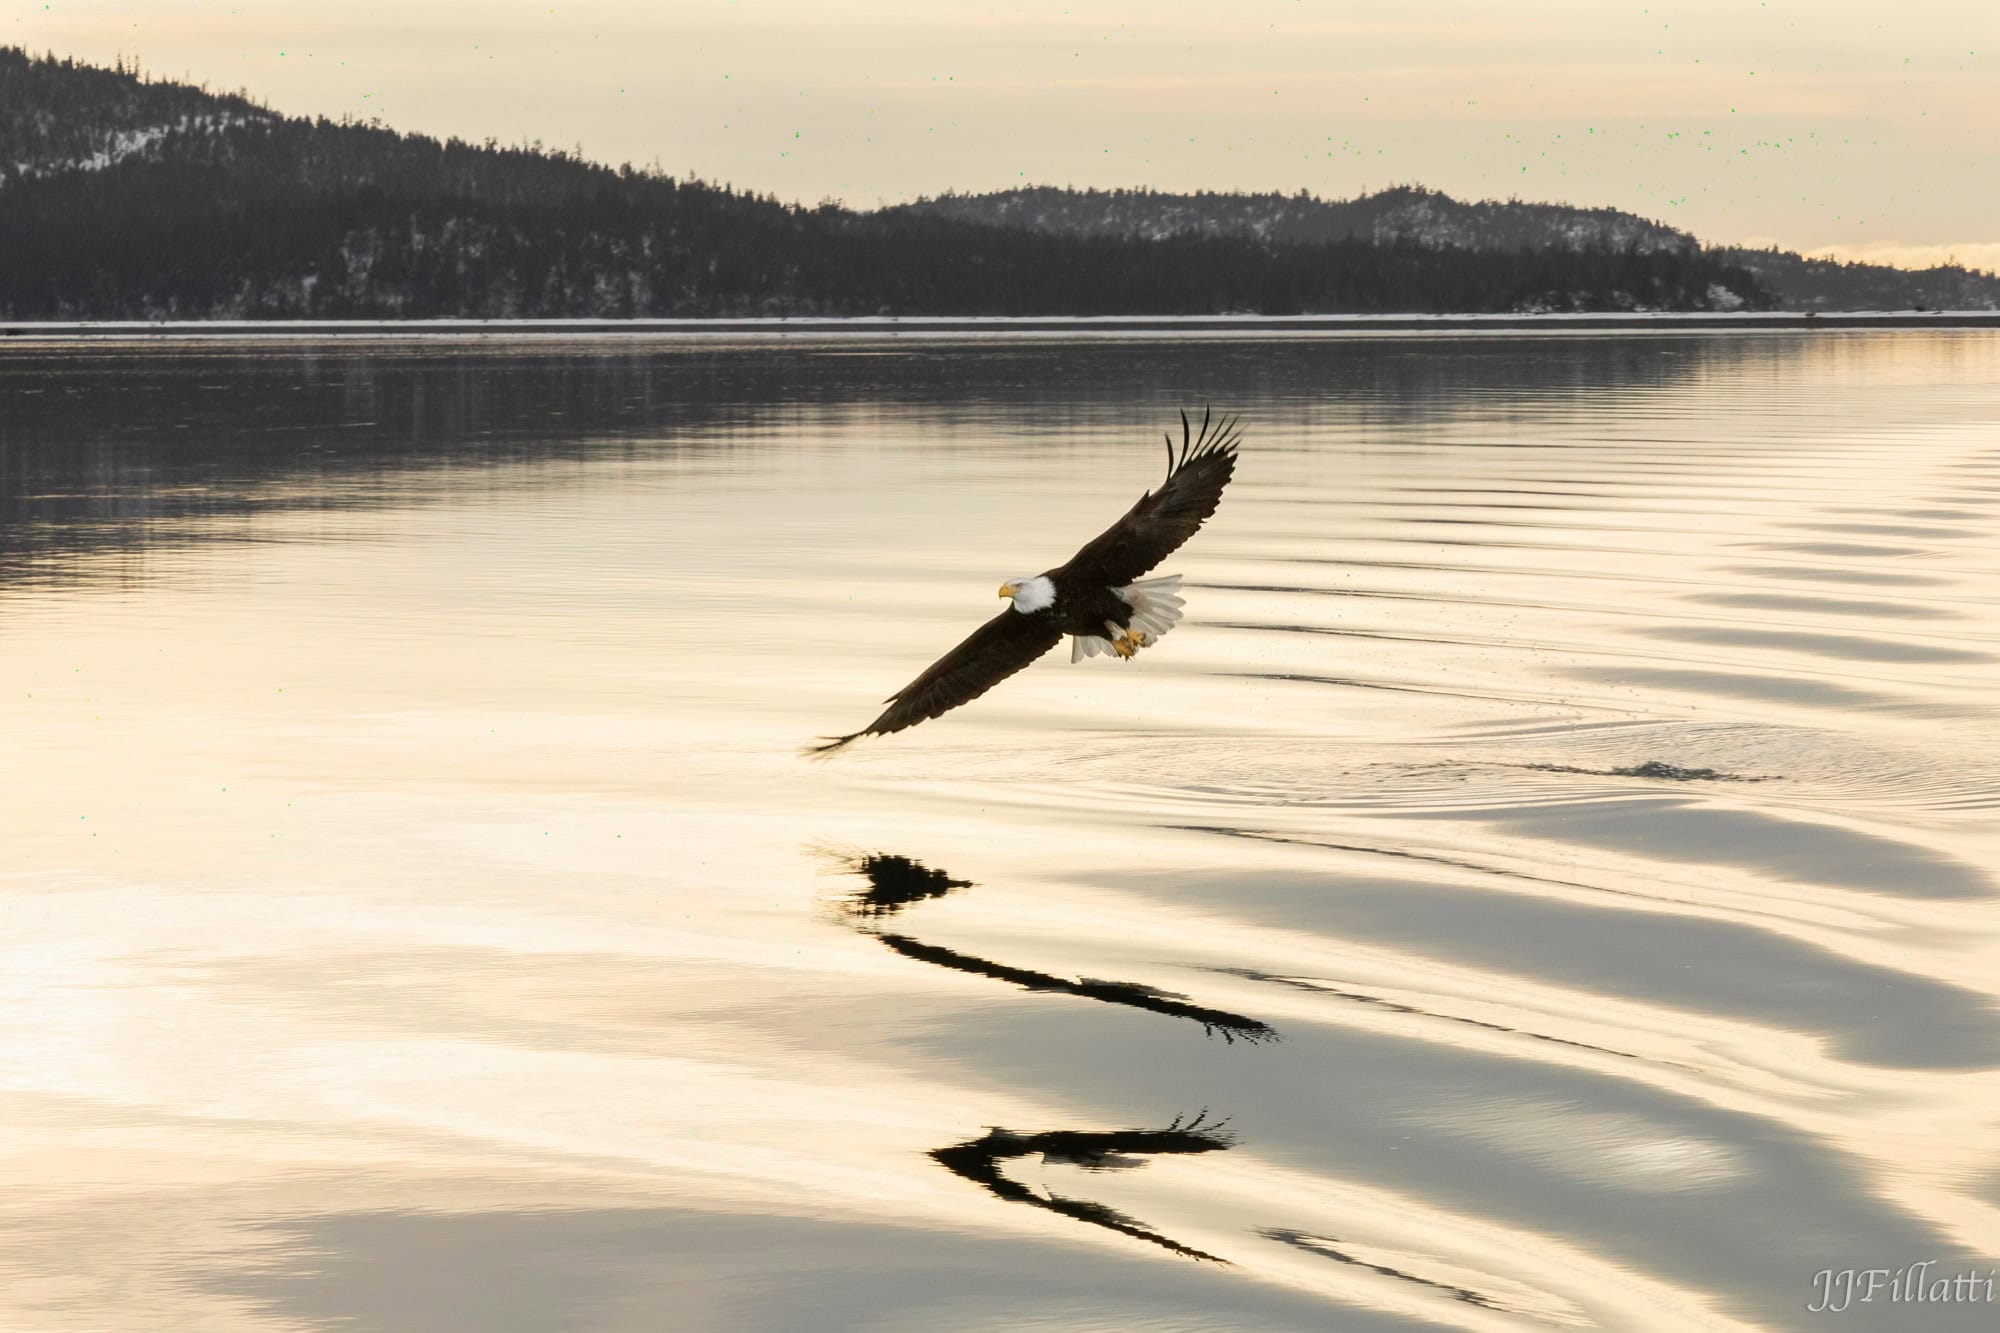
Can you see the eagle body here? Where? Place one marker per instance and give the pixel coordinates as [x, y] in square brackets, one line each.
[1078, 608]
[1084, 609]
[1099, 598]
[1097, 618]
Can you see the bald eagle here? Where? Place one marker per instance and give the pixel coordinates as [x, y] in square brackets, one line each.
[1098, 598]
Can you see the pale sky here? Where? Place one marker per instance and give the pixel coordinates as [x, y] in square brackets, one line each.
[1871, 129]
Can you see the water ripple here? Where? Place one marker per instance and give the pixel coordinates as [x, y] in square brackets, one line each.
[1579, 750]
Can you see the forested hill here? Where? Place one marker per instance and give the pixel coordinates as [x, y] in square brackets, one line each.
[1402, 213]
[1413, 214]
[1830, 284]
[56, 119]
[122, 198]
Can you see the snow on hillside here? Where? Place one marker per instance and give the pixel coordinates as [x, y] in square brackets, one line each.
[1403, 213]
[118, 144]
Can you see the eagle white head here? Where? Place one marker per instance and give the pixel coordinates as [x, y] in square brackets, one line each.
[1030, 595]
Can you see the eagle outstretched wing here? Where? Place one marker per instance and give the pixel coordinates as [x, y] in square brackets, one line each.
[990, 654]
[1155, 527]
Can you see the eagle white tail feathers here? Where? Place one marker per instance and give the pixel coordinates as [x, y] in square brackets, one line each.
[1156, 608]
[1156, 603]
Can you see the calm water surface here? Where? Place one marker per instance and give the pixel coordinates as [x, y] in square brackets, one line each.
[1548, 880]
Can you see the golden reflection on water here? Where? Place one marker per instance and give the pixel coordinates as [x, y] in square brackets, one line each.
[1557, 846]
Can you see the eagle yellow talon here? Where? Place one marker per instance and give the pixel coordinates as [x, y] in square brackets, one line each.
[1129, 642]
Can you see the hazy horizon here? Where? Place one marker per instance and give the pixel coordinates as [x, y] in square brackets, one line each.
[1829, 130]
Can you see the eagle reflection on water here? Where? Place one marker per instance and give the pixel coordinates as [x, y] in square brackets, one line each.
[895, 882]
[979, 1159]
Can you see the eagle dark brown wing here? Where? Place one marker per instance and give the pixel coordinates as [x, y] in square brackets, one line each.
[1155, 527]
[990, 654]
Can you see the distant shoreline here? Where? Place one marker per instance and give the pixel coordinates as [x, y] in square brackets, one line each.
[1091, 326]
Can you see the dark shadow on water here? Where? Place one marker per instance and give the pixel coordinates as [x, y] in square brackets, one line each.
[1214, 1022]
[978, 1160]
[1323, 1246]
[894, 882]
[1657, 769]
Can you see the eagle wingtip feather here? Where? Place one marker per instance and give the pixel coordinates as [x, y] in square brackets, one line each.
[1217, 437]
[832, 746]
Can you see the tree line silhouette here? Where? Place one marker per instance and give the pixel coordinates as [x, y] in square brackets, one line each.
[1400, 212]
[1832, 284]
[128, 199]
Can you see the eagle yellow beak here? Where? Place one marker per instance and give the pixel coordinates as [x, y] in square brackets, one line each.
[1007, 589]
